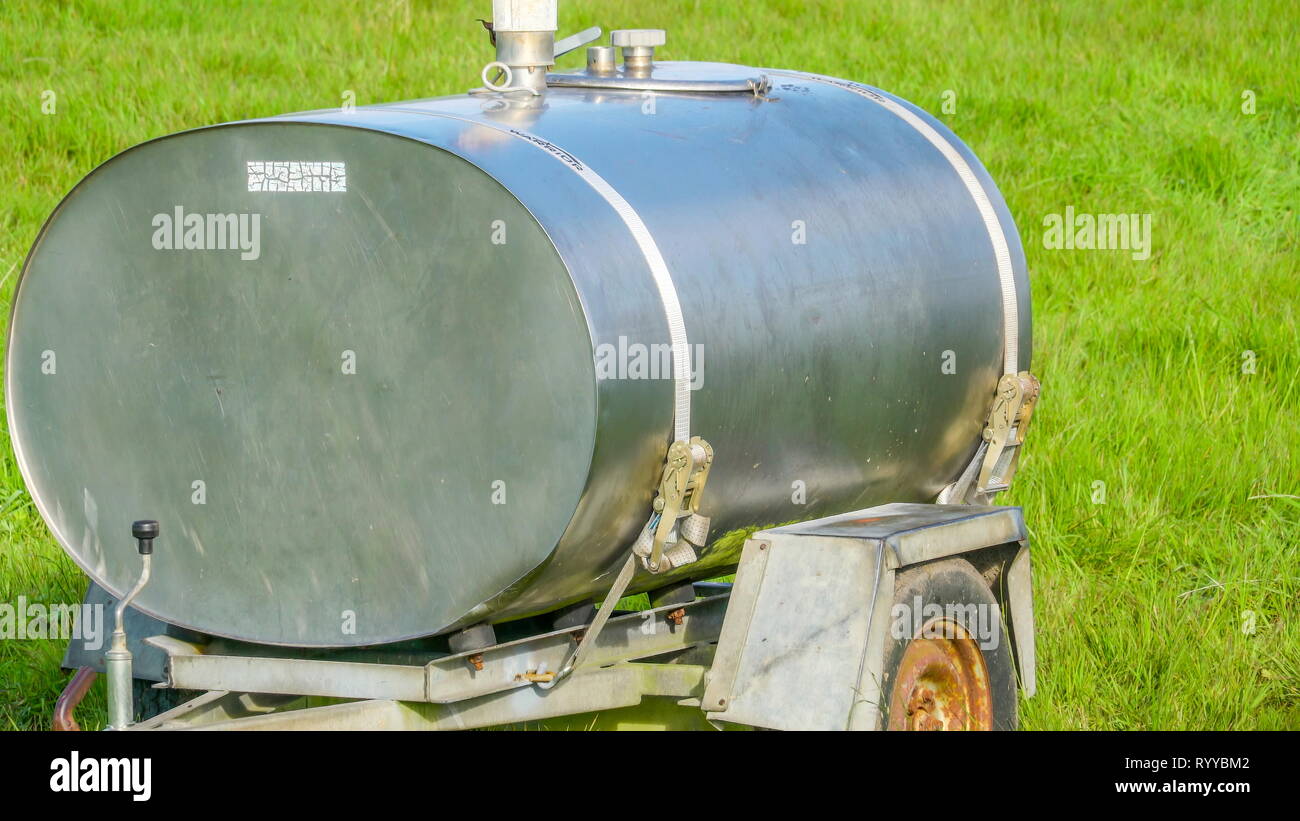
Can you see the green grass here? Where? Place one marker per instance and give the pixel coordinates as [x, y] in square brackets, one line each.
[1105, 106]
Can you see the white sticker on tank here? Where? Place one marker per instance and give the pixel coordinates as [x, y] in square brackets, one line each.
[297, 176]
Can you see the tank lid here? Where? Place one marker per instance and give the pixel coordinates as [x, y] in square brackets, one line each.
[637, 38]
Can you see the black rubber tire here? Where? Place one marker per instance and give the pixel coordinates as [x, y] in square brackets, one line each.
[150, 701]
[954, 582]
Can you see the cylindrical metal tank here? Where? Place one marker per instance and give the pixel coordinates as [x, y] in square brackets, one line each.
[385, 372]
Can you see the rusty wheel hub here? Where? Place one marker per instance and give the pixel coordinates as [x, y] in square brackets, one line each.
[942, 682]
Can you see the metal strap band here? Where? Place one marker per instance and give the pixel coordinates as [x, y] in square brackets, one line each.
[588, 640]
[1001, 250]
[676, 332]
[654, 259]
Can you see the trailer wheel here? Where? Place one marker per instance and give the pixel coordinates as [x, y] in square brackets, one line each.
[151, 701]
[948, 662]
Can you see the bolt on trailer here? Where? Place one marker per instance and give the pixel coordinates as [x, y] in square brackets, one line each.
[401, 401]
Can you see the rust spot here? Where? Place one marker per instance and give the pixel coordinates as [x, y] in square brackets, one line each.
[942, 682]
[676, 617]
[476, 661]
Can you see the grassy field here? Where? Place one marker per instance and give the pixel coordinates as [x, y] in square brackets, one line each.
[1163, 473]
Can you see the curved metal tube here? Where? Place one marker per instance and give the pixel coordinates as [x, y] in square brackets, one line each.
[120, 612]
[71, 697]
[117, 661]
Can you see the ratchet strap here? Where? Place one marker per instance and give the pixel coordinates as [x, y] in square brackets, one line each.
[995, 460]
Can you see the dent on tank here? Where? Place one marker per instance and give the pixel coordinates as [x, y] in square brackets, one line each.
[408, 369]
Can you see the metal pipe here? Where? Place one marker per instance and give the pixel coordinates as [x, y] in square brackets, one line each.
[524, 32]
[601, 60]
[593, 79]
[71, 697]
[529, 54]
[117, 661]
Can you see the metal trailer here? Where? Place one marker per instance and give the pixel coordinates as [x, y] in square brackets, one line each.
[799, 641]
[898, 616]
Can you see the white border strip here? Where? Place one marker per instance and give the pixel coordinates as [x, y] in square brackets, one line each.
[658, 268]
[1001, 251]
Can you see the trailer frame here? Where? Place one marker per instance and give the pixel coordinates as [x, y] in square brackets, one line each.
[757, 656]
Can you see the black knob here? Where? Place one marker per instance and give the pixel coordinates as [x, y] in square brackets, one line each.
[145, 531]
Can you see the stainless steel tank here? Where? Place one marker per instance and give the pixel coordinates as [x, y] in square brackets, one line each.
[385, 372]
